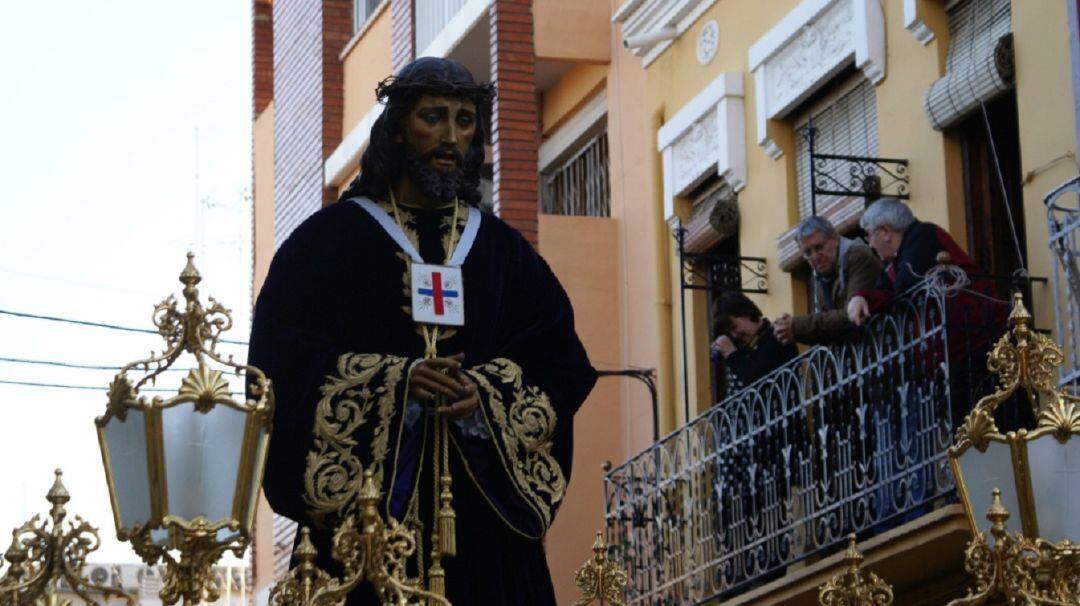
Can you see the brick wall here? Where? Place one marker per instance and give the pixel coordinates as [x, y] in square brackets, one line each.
[308, 79]
[403, 45]
[262, 67]
[515, 133]
[337, 31]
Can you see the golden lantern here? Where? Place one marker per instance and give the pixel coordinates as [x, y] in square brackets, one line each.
[1033, 473]
[184, 470]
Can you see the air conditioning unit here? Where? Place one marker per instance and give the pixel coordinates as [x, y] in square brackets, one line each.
[99, 575]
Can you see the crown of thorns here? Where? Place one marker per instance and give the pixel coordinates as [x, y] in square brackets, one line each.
[481, 94]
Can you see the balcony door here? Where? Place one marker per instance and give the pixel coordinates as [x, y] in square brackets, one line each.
[990, 237]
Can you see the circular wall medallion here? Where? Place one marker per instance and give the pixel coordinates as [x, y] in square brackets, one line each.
[708, 41]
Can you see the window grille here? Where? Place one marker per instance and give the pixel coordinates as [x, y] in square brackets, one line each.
[580, 186]
[847, 126]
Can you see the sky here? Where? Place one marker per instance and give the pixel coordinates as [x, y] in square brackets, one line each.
[125, 141]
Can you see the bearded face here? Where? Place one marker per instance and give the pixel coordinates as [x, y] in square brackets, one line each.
[437, 135]
[437, 173]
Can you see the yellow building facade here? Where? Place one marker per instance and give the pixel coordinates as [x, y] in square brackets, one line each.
[687, 105]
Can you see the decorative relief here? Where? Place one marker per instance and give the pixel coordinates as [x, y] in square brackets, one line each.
[708, 41]
[819, 47]
[804, 49]
[695, 152]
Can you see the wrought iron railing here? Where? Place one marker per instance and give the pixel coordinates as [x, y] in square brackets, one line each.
[580, 186]
[431, 17]
[1063, 216]
[847, 438]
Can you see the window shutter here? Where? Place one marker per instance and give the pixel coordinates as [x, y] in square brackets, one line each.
[846, 127]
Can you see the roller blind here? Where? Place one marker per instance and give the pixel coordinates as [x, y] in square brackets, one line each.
[979, 65]
[847, 126]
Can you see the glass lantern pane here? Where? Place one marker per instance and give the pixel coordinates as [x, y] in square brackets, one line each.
[1055, 482]
[985, 471]
[260, 442]
[125, 446]
[202, 456]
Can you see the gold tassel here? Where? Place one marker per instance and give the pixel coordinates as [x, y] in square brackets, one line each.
[436, 581]
[447, 520]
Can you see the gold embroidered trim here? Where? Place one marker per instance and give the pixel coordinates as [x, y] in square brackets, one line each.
[334, 470]
[526, 429]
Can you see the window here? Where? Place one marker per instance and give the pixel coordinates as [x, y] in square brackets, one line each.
[362, 11]
[580, 185]
[845, 123]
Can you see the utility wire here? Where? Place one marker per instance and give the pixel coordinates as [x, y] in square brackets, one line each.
[71, 364]
[20, 314]
[82, 387]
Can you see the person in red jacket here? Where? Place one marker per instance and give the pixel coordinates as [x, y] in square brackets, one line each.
[974, 314]
[908, 247]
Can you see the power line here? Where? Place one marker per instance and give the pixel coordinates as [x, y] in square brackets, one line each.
[20, 314]
[69, 364]
[80, 387]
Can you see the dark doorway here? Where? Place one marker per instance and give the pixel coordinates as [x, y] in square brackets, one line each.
[989, 235]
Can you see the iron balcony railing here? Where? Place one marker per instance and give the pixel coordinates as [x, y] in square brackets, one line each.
[1063, 216]
[846, 438]
[580, 186]
[431, 17]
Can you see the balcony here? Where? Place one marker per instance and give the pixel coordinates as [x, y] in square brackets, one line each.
[850, 438]
[432, 16]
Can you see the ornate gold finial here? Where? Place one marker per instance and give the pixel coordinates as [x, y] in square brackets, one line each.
[58, 496]
[852, 587]
[998, 515]
[376, 553]
[190, 278]
[1022, 570]
[1021, 359]
[600, 579]
[44, 553]
[1019, 314]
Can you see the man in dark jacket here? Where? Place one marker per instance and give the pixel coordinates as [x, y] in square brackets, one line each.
[974, 317]
[842, 267]
[909, 247]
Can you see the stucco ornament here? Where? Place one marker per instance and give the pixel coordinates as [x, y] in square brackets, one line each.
[695, 152]
[708, 42]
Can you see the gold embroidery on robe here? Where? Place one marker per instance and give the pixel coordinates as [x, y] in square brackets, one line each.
[526, 429]
[334, 469]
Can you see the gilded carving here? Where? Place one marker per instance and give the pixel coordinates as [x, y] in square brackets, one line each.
[600, 579]
[205, 387]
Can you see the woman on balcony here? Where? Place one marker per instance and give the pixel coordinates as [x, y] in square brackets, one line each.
[746, 341]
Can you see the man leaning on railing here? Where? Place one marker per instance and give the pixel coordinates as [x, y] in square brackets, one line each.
[842, 267]
[974, 312]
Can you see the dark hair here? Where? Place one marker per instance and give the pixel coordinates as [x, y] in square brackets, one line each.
[384, 159]
[731, 304]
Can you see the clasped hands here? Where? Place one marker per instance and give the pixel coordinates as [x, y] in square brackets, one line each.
[434, 377]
